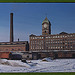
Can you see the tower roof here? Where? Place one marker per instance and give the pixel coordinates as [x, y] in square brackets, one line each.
[46, 20]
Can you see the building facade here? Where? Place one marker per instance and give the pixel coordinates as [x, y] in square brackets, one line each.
[60, 45]
[62, 41]
[20, 46]
[12, 46]
[8, 47]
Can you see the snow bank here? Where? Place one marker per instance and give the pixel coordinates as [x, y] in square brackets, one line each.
[58, 65]
[15, 63]
[3, 60]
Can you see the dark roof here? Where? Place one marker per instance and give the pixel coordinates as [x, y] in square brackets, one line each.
[63, 33]
[32, 35]
[13, 43]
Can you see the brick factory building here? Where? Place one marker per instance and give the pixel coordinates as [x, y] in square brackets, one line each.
[60, 45]
[62, 41]
[12, 46]
[19, 46]
[57, 45]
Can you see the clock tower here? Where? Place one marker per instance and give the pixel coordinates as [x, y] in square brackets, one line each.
[46, 27]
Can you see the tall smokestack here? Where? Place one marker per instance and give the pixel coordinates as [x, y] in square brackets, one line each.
[11, 27]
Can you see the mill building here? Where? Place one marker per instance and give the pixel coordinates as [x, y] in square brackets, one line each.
[12, 46]
[60, 45]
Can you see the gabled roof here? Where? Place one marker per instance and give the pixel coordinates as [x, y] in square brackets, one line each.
[63, 33]
[32, 35]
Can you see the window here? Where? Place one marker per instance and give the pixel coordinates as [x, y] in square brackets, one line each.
[56, 47]
[66, 46]
[66, 43]
[49, 37]
[31, 46]
[42, 37]
[51, 47]
[58, 36]
[61, 47]
[63, 35]
[33, 37]
[56, 41]
[55, 36]
[71, 46]
[71, 35]
[42, 47]
[46, 37]
[68, 35]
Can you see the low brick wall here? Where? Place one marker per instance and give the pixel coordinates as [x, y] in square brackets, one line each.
[4, 55]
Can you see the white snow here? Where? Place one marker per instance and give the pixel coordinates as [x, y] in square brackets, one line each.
[58, 65]
[47, 59]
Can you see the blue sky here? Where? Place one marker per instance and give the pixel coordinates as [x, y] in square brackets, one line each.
[28, 19]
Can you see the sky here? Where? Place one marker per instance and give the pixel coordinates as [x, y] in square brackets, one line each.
[28, 17]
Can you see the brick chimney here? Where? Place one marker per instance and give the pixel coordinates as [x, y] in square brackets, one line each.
[11, 27]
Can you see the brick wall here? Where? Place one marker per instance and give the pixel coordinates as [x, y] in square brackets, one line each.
[12, 48]
[4, 55]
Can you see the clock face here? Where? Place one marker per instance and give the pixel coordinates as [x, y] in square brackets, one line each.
[45, 25]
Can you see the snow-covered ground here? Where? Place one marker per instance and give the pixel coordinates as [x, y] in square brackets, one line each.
[58, 65]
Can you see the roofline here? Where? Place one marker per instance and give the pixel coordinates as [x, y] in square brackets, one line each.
[14, 42]
[52, 35]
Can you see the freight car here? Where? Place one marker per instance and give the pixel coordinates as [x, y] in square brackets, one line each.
[15, 56]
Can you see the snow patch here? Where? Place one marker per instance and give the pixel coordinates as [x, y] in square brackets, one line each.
[47, 59]
[13, 63]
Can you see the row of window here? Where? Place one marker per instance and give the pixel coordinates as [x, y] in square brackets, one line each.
[61, 40]
[60, 47]
[61, 36]
[37, 37]
[12, 49]
[54, 47]
[37, 42]
[32, 47]
[54, 42]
